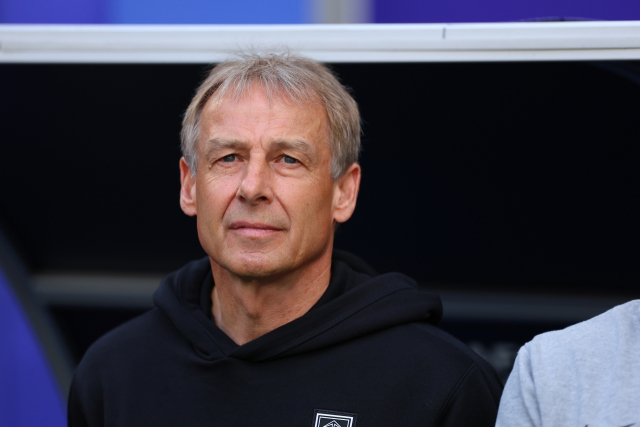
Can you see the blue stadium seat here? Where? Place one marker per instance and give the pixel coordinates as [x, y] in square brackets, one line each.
[32, 393]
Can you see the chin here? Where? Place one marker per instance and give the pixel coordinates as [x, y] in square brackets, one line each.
[255, 266]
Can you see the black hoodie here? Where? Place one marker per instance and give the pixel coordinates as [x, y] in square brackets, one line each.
[367, 354]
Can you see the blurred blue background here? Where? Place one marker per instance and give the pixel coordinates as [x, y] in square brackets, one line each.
[307, 11]
[29, 393]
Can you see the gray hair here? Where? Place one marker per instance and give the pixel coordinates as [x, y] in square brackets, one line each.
[283, 76]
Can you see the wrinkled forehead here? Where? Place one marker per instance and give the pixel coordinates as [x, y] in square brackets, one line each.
[228, 98]
[237, 91]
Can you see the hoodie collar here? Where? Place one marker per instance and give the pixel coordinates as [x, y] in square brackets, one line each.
[356, 302]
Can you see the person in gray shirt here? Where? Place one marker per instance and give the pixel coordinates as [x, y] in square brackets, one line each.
[585, 375]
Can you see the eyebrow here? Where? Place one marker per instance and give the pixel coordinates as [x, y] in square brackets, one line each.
[282, 144]
[216, 144]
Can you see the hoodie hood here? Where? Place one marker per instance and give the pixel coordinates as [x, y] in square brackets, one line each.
[357, 302]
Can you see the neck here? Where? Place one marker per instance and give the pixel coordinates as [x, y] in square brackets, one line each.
[246, 309]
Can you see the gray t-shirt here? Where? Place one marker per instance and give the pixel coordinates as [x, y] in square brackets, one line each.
[585, 375]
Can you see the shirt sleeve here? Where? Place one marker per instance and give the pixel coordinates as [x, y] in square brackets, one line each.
[519, 402]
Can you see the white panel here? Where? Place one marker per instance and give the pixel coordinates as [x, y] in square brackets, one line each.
[331, 43]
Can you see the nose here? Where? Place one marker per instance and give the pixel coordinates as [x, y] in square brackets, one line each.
[256, 184]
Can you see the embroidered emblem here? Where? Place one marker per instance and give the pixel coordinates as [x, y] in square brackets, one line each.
[333, 419]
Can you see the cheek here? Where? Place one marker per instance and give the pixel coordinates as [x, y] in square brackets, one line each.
[214, 196]
[313, 204]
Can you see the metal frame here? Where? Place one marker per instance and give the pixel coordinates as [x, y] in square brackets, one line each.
[135, 292]
[528, 41]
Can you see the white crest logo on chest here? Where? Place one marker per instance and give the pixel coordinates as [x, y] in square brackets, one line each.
[323, 418]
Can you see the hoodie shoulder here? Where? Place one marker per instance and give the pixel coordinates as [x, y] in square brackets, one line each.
[125, 341]
[122, 355]
[451, 346]
[474, 390]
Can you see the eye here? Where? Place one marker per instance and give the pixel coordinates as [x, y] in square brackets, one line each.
[289, 159]
[229, 158]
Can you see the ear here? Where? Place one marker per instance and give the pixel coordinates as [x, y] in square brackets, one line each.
[346, 193]
[187, 189]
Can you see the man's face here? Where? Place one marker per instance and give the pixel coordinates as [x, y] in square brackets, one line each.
[263, 193]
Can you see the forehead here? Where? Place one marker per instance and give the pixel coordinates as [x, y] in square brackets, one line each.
[234, 90]
[256, 109]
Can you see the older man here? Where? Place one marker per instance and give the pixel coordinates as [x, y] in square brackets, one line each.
[274, 327]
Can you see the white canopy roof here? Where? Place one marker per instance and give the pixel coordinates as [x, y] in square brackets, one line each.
[530, 41]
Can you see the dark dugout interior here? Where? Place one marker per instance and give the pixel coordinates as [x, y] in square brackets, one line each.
[503, 177]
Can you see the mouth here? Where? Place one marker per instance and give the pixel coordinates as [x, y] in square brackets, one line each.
[253, 229]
